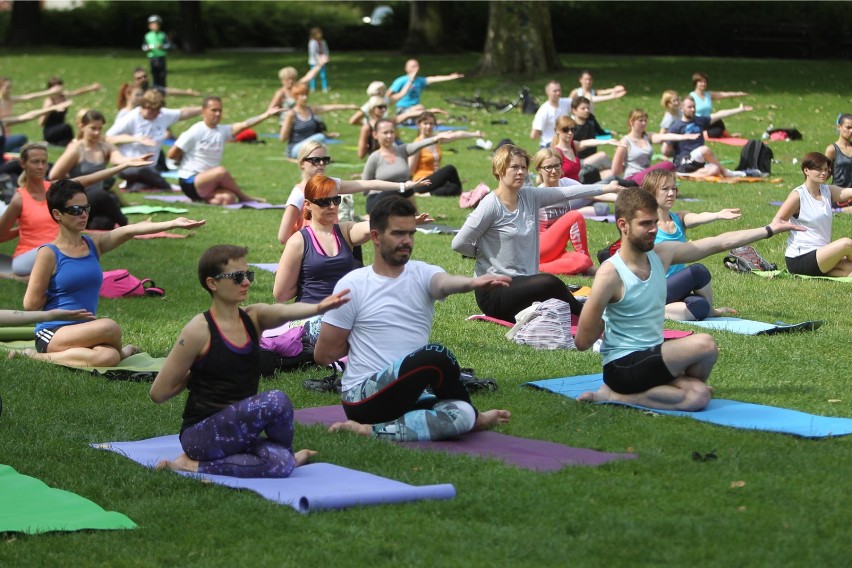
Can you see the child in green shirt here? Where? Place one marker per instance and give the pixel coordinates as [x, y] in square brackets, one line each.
[155, 45]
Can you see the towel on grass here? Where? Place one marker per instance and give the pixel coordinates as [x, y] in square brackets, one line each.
[537, 455]
[312, 487]
[722, 412]
[27, 505]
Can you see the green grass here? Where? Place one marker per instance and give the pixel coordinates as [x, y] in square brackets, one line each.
[662, 509]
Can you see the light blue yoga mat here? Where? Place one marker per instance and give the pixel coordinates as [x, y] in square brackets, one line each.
[733, 413]
[267, 266]
[748, 327]
[312, 487]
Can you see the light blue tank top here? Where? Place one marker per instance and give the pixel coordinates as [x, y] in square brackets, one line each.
[635, 322]
[703, 106]
[679, 235]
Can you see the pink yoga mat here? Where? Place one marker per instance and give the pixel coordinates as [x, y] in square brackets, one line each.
[667, 333]
[537, 455]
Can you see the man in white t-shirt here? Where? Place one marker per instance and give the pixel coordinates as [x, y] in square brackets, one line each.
[544, 122]
[142, 131]
[385, 330]
[199, 151]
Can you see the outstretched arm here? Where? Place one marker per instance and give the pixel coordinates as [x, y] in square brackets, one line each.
[720, 114]
[609, 94]
[255, 120]
[273, 315]
[443, 78]
[18, 317]
[361, 185]
[839, 194]
[95, 177]
[666, 137]
[37, 94]
[111, 239]
[442, 284]
[38, 113]
[189, 112]
[696, 219]
[83, 90]
[719, 95]
[314, 71]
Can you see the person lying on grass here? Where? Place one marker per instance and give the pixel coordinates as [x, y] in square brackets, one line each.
[217, 358]
[67, 274]
[385, 332]
[627, 305]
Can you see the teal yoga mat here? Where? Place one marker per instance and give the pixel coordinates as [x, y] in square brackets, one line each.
[748, 327]
[27, 505]
[732, 413]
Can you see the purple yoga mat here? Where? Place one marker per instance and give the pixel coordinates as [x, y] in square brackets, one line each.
[537, 455]
[255, 205]
[312, 487]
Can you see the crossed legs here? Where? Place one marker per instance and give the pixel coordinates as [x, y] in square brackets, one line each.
[835, 258]
[88, 344]
[217, 187]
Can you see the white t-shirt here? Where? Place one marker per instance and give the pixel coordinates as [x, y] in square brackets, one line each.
[202, 148]
[545, 119]
[816, 216]
[388, 318]
[134, 124]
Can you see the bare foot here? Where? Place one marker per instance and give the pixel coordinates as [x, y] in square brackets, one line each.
[491, 418]
[352, 426]
[21, 353]
[720, 312]
[603, 394]
[180, 463]
[129, 350]
[303, 456]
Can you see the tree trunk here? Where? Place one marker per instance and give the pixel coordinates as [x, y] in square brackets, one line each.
[427, 27]
[25, 24]
[520, 39]
[191, 36]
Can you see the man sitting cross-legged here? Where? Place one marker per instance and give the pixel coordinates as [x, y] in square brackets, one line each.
[385, 331]
[627, 303]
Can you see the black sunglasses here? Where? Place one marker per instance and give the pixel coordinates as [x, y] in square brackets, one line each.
[568, 129]
[238, 276]
[78, 210]
[383, 107]
[325, 202]
[315, 160]
[698, 456]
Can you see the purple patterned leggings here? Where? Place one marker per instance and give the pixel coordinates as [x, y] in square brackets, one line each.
[229, 442]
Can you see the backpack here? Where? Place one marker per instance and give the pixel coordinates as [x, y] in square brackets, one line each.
[756, 156]
[121, 284]
[544, 326]
[528, 104]
[746, 259]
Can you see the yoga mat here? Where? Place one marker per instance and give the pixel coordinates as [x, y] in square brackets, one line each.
[312, 487]
[733, 413]
[23, 333]
[787, 274]
[667, 333]
[729, 141]
[436, 229]
[749, 327]
[439, 127]
[30, 506]
[600, 218]
[149, 209]
[170, 174]
[169, 198]
[267, 266]
[325, 140]
[254, 205]
[720, 179]
[138, 367]
[536, 455]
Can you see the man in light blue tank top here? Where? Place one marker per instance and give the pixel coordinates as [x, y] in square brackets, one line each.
[627, 305]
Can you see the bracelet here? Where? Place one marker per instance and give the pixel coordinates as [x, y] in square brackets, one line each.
[769, 232]
[402, 187]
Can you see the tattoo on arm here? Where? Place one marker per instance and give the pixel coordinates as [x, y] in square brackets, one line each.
[180, 342]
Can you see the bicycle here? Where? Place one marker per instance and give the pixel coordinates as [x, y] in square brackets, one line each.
[523, 100]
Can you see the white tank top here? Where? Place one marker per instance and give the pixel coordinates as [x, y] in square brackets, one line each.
[816, 216]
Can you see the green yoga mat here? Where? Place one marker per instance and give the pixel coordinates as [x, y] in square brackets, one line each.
[30, 506]
[149, 209]
[17, 333]
[139, 367]
[786, 274]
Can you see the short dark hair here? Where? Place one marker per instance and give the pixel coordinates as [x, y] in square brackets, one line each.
[632, 200]
[426, 115]
[60, 193]
[580, 100]
[394, 206]
[214, 259]
[209, 99]
[699, 76]
[815, 161]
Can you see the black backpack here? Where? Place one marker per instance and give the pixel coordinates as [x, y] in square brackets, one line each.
[756, 156]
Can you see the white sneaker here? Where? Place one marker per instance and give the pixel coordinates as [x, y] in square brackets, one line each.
[484, 144]
[736, 174]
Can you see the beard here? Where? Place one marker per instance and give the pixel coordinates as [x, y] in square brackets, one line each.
[642, 244]
[396, 257]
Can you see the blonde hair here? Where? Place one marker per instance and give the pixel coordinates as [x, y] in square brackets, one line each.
[541, 156]
[668, 97]
[376, 87]
[309, 147]
[635, 114]
[503, 156]
[373, 102]
[287, 73]
[655, 180]
[153, 98]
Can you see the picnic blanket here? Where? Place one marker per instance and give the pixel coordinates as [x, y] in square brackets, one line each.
[312, 487]
[531, 454]
[787, 274]
[749, 327]
[30, 506]
[150, 209]
[667, 333]
[733, 413]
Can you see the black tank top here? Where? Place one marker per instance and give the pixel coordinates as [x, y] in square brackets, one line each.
[225, 375]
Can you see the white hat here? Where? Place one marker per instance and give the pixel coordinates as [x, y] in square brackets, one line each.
[155, 19]
[375, 87]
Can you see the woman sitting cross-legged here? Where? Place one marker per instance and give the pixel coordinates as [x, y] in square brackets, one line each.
[426, 164]
[689, 296]
[67, 275]
[217, 358]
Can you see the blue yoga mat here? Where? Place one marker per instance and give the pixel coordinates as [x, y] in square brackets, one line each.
[312, 487]
[733, 413]
[748, 327]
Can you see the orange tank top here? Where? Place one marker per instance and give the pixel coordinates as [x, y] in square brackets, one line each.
[430, 161]
[35, 225]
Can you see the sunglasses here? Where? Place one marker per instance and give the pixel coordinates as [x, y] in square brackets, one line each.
[326, 202]
[552, 167]
[78, 210]
[383, 107]
[567, 129]
[238, 277]
[316, 160]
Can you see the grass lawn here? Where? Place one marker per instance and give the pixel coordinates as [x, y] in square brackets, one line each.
[661, 509]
